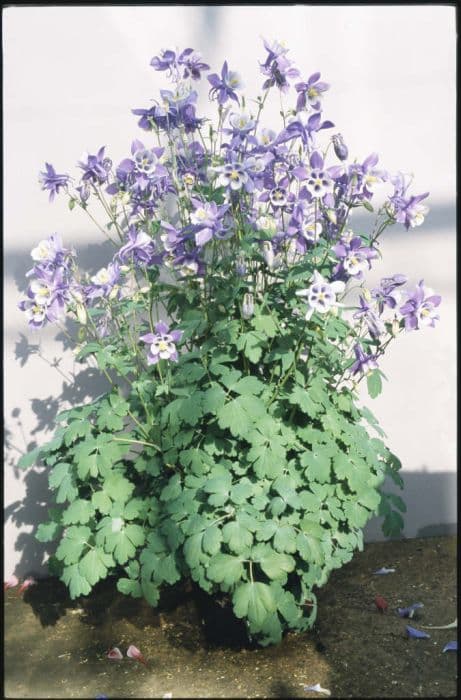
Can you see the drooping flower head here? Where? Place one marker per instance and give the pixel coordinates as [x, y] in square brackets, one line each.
[363, 363]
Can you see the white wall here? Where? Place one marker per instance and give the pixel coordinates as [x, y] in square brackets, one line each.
[71, 76]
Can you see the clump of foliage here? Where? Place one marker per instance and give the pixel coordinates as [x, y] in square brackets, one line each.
[231, 446]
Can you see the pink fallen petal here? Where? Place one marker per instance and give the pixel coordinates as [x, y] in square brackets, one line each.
[114, 653]
[26, 584]
[10, 582]
[134, 653]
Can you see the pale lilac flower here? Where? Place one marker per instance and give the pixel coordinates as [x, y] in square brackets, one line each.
[278, 197]
[406, 210]
[139, 248]
[420, 308]
[162, 343]
[267, 137]
[223, 88]
[321, 295]
[319, 183]
[104, 282]
[192, 64]
[95, 167]
[52, 181]
[232, 175]
[363, 364]
[310, 92]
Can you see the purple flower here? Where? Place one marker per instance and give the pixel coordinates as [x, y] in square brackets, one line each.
[419, 309]
[416, 634]
[223, 88]
[321, 295]
[410, 610]
[162, 343]
[234, 176]
[303, 126]
[192, 63]
[388, 294]
[52, 181]
[95, 167]
[166, 61]
[408, 211]
[375, 325]
[50, 253]
[355, 258]
[363, 363]
[104, 282]
[208, 217]
[310, 92]
[139, 248]
[363, 178]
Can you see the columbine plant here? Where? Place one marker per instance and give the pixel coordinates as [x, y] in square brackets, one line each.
[231, 446]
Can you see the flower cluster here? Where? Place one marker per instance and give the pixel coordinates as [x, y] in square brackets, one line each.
[231, 445]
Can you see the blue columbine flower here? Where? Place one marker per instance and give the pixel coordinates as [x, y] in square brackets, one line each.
[162, 343]
[223, 87]
[52, 181]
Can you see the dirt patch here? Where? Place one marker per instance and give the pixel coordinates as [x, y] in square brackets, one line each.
[56, 648]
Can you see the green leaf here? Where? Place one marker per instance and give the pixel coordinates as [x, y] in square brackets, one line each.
[191, 409]
[248, 385]
[172, 490]
[80, 511]
[129, 587]
[219, 487]
[193, 549]
[214, 398]
[73, 543]
[118, 488]
[77, 584]
[237, 537]
[212, 538]
[47, 532]
[392, 524]
[318, 464]
[300, 397]
[285, 539]
[75, 430]
[240, 413]
[268, 459]
[225, 569]
[30, 458]
[252, 344]
[255, 601]
[95, 564]
[61, 478]
[374, 383]
[101, 502]
[277, 565]
[265, 324]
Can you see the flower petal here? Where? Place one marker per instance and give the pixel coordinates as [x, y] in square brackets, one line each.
[451, 646]
[115, 654]
[416, 634]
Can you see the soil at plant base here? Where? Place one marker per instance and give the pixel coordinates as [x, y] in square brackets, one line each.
[195, 648]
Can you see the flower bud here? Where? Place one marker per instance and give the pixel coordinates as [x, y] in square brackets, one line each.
[248, 306]
[395, 327]
[81, 314]
[331, 215]
[268, 254]
[366, 294]
[340, 147]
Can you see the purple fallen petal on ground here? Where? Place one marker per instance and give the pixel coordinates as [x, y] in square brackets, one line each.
[417, 634]
[102, 697]
[410, 611]
[451, 646]
[383, 571]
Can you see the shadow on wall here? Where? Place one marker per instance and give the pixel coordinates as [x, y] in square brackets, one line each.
[425, 494]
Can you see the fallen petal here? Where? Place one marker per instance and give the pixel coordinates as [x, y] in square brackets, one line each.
[26, 584]
[383, 571]
[115, 653]
[167, 695]
[451, 646]
[410, 611]
[317, 688]
[10, 582]
[417, 634]
[134, 653]
[102, 697]
[381, 603]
